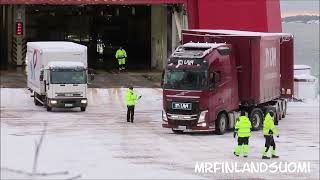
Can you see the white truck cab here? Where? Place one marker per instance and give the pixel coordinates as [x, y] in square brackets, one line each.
[58, 74]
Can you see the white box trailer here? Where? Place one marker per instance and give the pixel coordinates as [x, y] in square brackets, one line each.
[57, 74]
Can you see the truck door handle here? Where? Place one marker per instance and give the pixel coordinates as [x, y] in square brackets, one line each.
[75, 85]
[62, 85]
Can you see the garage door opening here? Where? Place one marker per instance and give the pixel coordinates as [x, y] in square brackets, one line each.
[102, 28]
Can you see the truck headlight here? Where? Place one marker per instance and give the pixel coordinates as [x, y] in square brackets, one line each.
[164, 116]
[84, 101]
[53, 101]
[202, 117]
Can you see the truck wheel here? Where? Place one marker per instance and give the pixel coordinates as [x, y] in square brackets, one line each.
[279, 111]
[256, 118]
[36, 102]
[49, 108]
[83, 108]
[284, 113]
[177, 131]
[272, 109]
[221, 123]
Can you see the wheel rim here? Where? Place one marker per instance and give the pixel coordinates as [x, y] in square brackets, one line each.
[255, 120]
[222, 123]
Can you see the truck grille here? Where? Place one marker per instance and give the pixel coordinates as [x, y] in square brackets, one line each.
[68, 94]
[182, 122]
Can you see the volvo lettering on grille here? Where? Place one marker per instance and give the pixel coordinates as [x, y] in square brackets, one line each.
[182, 106]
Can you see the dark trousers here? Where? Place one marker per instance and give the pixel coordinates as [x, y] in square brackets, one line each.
[243, 140]
[130, 113]
[269, 142]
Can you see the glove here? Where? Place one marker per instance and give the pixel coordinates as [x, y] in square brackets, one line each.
[278, 136]
[234, 134]
[140, 97]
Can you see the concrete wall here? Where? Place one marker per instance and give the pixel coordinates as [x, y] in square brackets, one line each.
[166, 28]
[158, 36]
[6, 35]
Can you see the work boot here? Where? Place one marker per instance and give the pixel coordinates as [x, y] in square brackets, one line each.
[265, 157]
[245, 156]
[273, 153]
[236, 154]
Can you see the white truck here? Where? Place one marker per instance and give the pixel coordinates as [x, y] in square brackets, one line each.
[57, 74]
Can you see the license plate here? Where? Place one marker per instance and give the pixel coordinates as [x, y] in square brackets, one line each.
[182, 127]
[68, 105]
[182, 106]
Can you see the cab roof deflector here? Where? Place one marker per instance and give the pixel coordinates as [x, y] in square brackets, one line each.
[195, 50]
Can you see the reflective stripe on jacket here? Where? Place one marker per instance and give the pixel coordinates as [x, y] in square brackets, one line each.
[243, 126]
[121, 54]
[268, 126]
[131, 98]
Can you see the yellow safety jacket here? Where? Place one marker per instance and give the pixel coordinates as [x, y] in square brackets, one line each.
[131, 98]
[121, 54]
[268, 126]
[243, 126]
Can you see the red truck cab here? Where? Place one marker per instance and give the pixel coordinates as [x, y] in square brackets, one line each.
[194, 88]
[212, 76]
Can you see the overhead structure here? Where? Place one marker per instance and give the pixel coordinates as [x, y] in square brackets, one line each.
[152, 25]
[257, 15]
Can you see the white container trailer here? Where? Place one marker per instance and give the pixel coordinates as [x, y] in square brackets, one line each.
[57, 74]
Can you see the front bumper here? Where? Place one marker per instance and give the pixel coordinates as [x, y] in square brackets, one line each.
[67, 103]
[187, 128]
[186, 122]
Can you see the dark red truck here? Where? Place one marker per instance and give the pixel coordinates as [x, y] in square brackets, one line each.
[217, 73]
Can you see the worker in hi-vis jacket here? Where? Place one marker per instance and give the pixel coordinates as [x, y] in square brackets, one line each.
[121, 56]
[131, 99]
[268, 131]
[243, 130]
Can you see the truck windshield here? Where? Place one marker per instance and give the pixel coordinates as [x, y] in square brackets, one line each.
[68, 76]
[185, 79]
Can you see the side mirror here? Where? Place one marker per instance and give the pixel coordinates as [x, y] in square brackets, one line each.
[91, 76]
[211, 86]
[162, 80]
[211, 82]
[41, 75]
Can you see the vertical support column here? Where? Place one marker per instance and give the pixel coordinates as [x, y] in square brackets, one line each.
[174, 34]
[158, 36]
[3, 42]
[9, 33]
[19, 42]
[179, 22]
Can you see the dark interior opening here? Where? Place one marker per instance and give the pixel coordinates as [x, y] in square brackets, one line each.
[3, 37]
[102, 28]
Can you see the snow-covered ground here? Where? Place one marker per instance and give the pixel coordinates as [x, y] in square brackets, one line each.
[100, 144]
